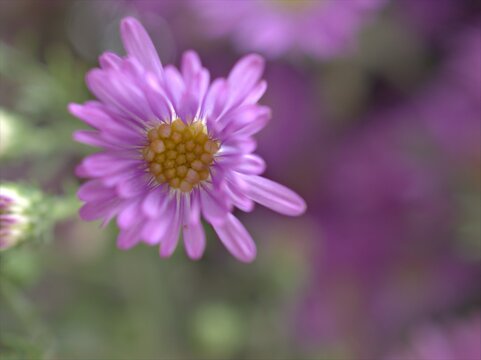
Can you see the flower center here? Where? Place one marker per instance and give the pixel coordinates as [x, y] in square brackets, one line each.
[180, 154]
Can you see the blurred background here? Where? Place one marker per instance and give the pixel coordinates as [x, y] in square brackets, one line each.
[376, 123]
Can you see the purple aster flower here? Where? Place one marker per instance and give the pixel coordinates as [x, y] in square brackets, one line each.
[458, 340]
[275, 27]
[175, 147]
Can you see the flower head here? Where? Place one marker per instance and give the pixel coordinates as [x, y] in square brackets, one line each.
[18, 214]
[320, 28]
[175, 147]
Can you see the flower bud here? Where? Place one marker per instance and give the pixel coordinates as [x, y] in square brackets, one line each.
[20, 214]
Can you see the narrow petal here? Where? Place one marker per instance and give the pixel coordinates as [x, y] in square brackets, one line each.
[171, 237]
[194, 240]
[129, 238]
[110, 60]
[191, 65]
[102, 164]
[245, 163]
[133, 186]
[215, 100]
[213, 209]
[139, 45]
[196, 80]
[129, 215]
[236, 239]
[239, 145]
[256, 93]
[235, 188]
[122, 89]
[94, 116]
[247, 120]
[92, 138]
[274, 196]
[155, 203]
[192, 229]
[244, 76]
[103, 209]
[94, 190]
[158, 100]
[174, 86]
[156, 228]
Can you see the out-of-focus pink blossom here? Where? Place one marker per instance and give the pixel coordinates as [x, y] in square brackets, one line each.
[322, 29]
[458, 340]
[386, 255]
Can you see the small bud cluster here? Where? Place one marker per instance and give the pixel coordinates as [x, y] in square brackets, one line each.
[20, 214]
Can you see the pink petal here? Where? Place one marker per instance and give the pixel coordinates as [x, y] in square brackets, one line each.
[196, 80]
[194, 240]
[171, 237]
[99, 209]
[103, 164]
[155, 203]
[129, 215]
[133, 186]
[96, 117]
[247, 163]
[236, 191]
[192, 207]
[215, 100]
[158, 100]
[239, 145]
[109, 60]
[155, 229]
[121, 89]
[92, 138]
[139, 45]
[274, 196]
[244, 76]
[192, 229]
[213, 209]
[94, 190]
[236, 239]
[246, 120]
[256, 93]
[174, 85]
[191, 65]
[129, 238]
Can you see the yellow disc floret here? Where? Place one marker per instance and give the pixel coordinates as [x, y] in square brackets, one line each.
[180, 154]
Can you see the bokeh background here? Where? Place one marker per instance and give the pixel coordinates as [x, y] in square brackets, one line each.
[376, 123]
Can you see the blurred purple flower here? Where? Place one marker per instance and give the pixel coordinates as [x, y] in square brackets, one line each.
[285, 143]
[321, 29]
[430, 18]
[386, 257]
[450, 106]
[458, 340]
[175, 147]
